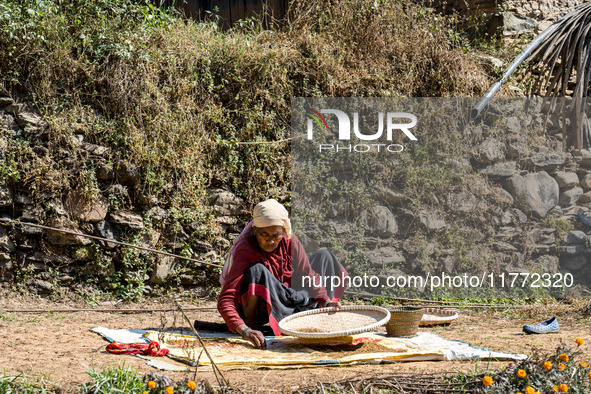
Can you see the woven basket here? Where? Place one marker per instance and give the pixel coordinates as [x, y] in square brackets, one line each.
[436, 316]
[404, 321]
[333, 322]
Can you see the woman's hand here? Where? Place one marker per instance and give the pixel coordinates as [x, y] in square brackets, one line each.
[256, 338]
[331, 304]
[253, 336]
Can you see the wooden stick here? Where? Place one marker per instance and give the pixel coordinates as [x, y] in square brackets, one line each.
[477, 306]
[444, 304]
[80, 234]
[268, 142]
[222, 381]
[6, 310]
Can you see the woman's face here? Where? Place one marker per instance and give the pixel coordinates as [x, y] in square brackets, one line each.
[269, 237]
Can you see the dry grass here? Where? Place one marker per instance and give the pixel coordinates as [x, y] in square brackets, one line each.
[176, 96]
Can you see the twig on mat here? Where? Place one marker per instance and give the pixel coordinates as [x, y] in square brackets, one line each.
[164, 323]
[222, 381]
[196, 365]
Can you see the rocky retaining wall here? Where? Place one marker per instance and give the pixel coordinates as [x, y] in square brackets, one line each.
[512, 17]
[47, 260]
[528, 207]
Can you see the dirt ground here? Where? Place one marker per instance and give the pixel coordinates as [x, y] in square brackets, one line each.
[60, 346]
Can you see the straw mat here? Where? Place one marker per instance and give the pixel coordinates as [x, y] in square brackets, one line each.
[334, 322]
[283, 352]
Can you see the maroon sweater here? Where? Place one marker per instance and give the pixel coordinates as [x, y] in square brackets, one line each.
[279, 262]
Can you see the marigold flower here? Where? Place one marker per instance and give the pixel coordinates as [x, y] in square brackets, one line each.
[582, 364]
[563, 357]
[547, 365]
[579, 341]
[521, 373]
[561, 366]
[145, 392]
[555, 388]
[589, 375]
[169, 390]
[487, 381]
[529, 390]
[192, 385]
[151, 384]
[563, 388]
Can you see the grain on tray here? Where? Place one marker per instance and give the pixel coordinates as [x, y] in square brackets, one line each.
[310, 329]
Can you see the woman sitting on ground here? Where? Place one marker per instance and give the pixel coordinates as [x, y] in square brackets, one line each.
[263, 278]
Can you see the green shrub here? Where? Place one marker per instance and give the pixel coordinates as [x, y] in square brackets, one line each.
[23, 385]
[113, 380]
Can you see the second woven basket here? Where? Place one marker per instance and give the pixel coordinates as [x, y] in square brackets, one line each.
[404, 321]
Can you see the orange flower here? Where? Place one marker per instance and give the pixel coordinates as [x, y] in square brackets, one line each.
[547, 365]
[151, 384]
[521, 373]
[563, 357]
[145, 392]
[529, 390]
[589, 375]
[487, 381]
[555, 388]
[579, 341]
[563, 388]
[169, 390]
[582, 364]
[192, 385]
[561, 366]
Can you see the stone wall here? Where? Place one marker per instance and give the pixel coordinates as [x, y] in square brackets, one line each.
[48, 260]
[512, 17]
[544, 12]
